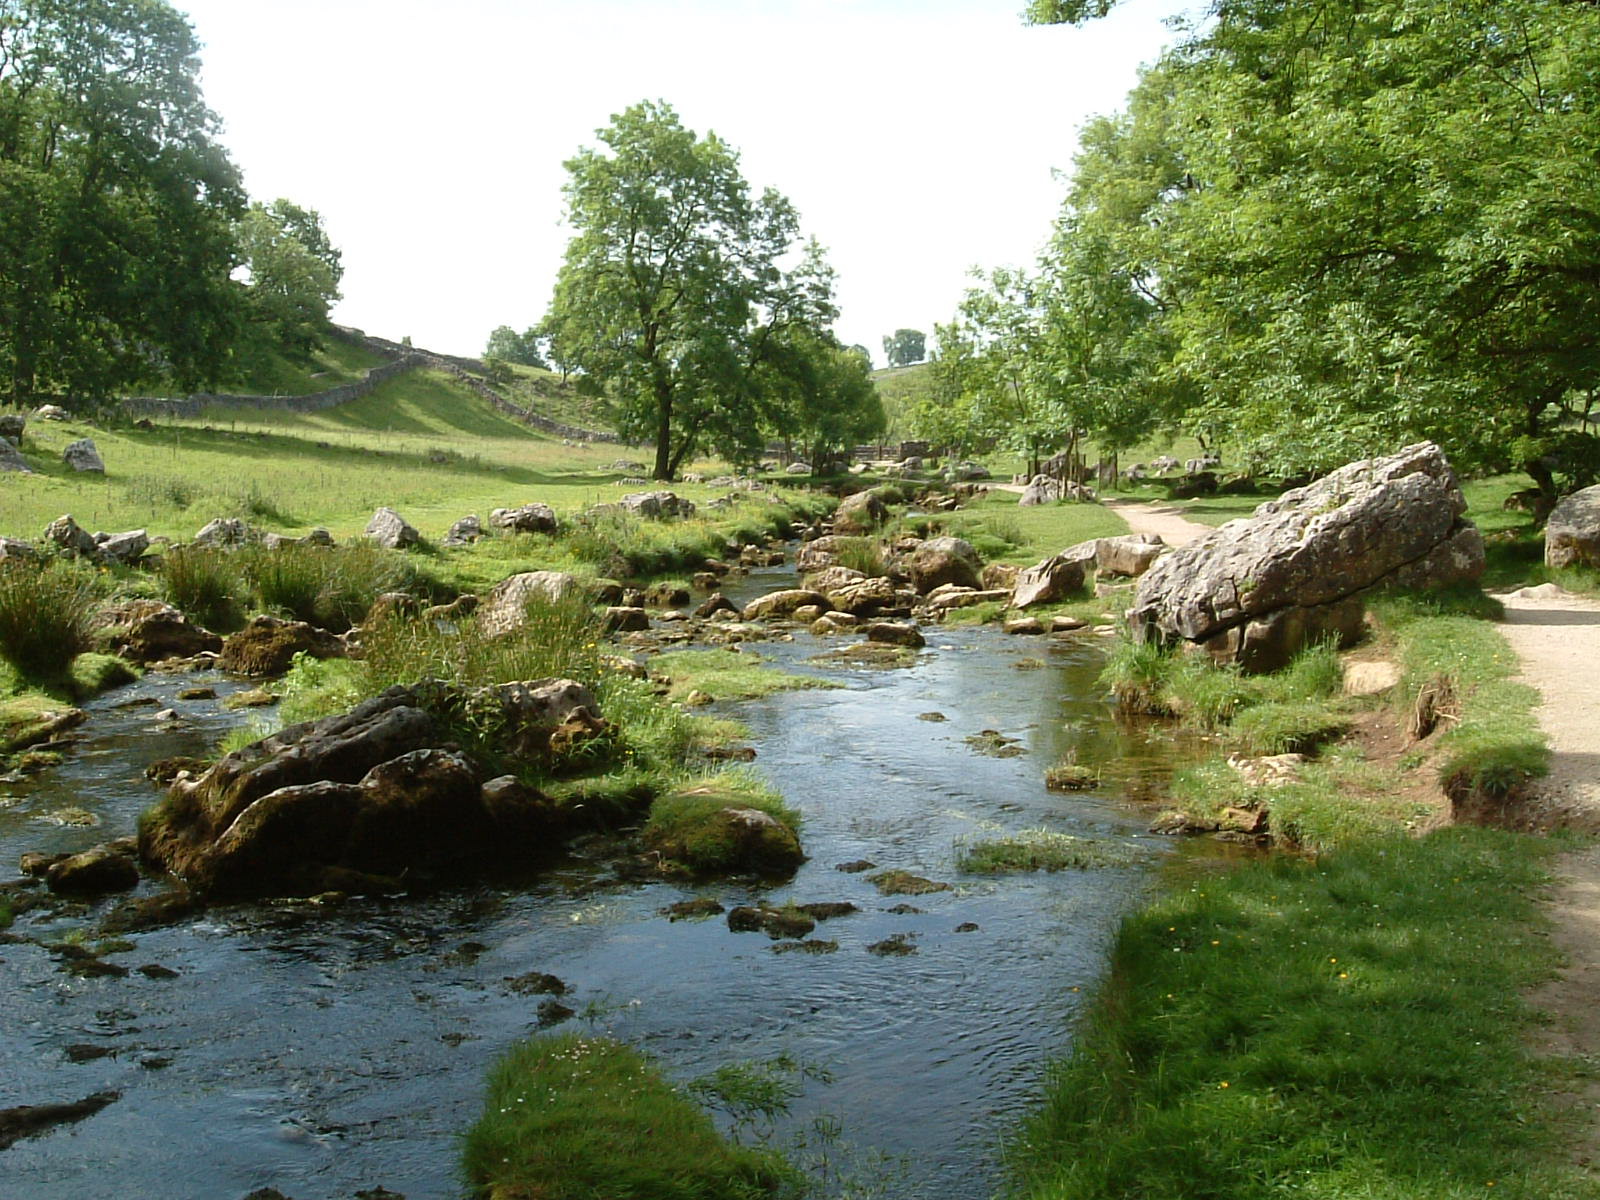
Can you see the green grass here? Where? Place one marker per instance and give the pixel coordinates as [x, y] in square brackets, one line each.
[684, 828]
[728, 675]
[1003, 531]
[334, 361]
[572, 1118]
[1328, 1027]
[47, 615]
[1039, 850]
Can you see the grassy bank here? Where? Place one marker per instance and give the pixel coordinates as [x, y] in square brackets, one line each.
[1347, 1022]
[572, 1118]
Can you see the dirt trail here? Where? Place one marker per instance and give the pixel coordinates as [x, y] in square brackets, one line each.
[1557, 637]
[1175, 528]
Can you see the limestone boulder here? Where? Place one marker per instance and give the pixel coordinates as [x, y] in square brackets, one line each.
[656, 504]
[391, 531]
[226, 533]
[71, 538]
[506, 606]
[1128, 556]
[149, 631]
[1056, 578]
[126, 548]
[93, 872]
[1257, 590]
[538, 719]
[11, 459]
[52, 412]
[830, 579]
[464, 532]
[529, 518]
[860, 513]
[267, 646]
[1572, 534]
[12, 426]
[894, 633]
[82, 455]
[18, 550]
[944, 560]
[821, 553]
[782, 603]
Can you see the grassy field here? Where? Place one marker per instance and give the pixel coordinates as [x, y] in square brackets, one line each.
[421, 443]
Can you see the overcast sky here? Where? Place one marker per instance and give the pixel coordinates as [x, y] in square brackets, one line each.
[917, 138]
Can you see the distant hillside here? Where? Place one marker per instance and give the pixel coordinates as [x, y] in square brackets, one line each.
[900, 389]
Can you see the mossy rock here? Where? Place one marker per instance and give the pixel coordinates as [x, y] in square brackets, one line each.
[714, 829]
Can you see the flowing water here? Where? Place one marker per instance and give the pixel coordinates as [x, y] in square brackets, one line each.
[326, 1050]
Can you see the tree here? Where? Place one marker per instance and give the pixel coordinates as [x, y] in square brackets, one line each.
[292, 272]
[1356, 224]
[117, 204]
[822, 394]
[905, 346]
[671, 299]
[507, 345]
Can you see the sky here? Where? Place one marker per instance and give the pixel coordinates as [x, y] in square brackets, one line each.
[917, 138]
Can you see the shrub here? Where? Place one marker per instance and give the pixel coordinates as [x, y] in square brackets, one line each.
[327, 586]
[571, 1118]
[204, 584]
[46, 616]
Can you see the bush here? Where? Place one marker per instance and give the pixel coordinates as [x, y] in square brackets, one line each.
[328, 586]
[46, 616]
[204, 584]
[570, 1118]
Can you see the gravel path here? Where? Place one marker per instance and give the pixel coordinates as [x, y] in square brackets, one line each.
[1557, 636]
[1175, 528]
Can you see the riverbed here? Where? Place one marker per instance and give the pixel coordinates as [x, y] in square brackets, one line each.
[325, 1050]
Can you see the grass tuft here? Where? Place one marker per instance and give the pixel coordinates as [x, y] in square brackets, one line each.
[571, 1118]
[46, 616]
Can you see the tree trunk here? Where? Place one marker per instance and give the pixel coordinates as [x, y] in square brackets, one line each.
[663, 471]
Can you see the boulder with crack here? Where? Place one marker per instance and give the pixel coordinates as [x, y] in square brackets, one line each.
[1256, 591]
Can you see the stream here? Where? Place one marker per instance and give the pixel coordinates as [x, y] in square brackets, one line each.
[328, 1050]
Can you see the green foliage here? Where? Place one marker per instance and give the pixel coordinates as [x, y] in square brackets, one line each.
[204, 584]
[47, 614]
[293, 275]
[1287, 726]
[753, 1095]
[92, 673]
[1039, 850]
[559, 639]
[671, 298]
[116, 201]
[571, 1118]
[1330, 1026]
[728, 675]
[329, 586]
[684, 824]
[904, 347]
[1333, 231]
[313, 688]
[507, 345]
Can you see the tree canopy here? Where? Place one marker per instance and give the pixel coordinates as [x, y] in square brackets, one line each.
[1329, 226]
[681, 296]
[292, 271]
[905, 346]
[507, 345]
[117, 204]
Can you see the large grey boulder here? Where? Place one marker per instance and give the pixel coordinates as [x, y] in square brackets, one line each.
[944, 560]
[147, 631]
[391, 531]
[529, 518]
[464, 532]
[52, 412]
[1056, 578]
[13, 548]
[71, 538]
[1128, 555]
[226, 532]
[126, 547]
[860, 513]
[783, 603]
[1572, 534]
[82, 455]
[1257, 590]
[11, 459]
[12, 426]
[506, 606]
[656, 504]
[377, 792]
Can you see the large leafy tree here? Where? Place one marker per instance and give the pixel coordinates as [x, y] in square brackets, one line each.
[507, 345]
[293, 273]
[116, 202]
[905, 346]
[673, 296]
[1356, 222]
